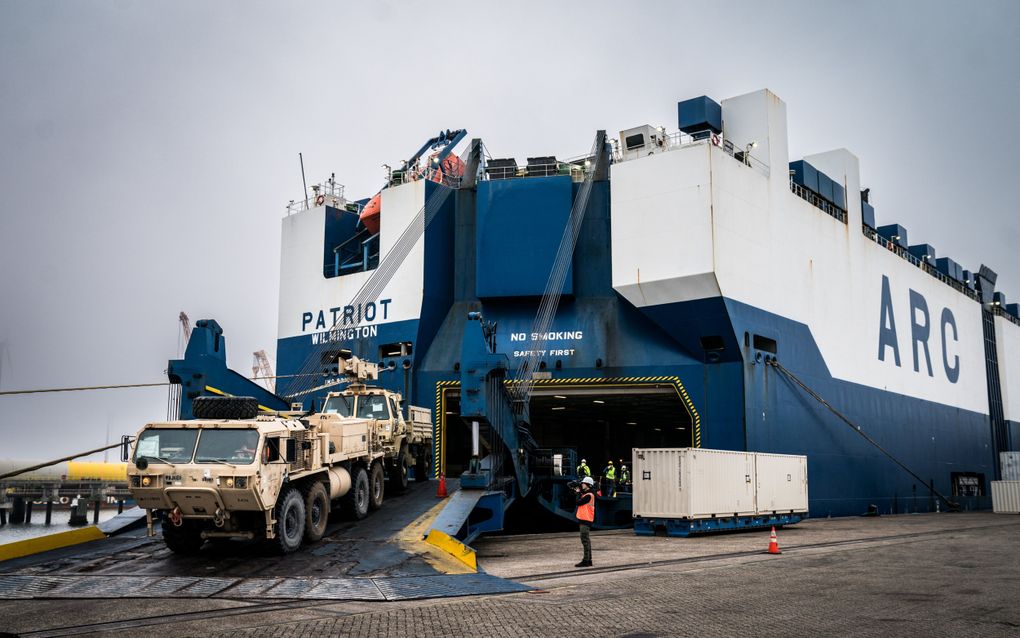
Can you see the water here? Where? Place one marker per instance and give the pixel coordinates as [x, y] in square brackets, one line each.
[10, 533]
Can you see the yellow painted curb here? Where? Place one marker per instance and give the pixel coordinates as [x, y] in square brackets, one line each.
[40, 544]
[453, 547]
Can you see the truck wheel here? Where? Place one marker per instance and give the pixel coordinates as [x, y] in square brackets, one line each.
[186, 539]
[421, 466]
[290, 521]
[377, 485]
[398, 472]
[355, 502]
[316, 511]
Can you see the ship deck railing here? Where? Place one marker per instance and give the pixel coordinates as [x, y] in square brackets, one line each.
[815, 200]
[999, 311]
[924, 265]
[673, 141]
[577, 170]
[332, 194]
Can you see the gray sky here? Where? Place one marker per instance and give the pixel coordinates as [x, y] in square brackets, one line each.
[147, 150]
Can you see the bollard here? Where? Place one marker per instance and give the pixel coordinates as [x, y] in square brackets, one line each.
[28, 512]
[79, 513]
[49, 512]
[18, 511]
[120, 506]
[95, 513]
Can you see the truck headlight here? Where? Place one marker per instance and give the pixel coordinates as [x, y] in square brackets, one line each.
[229, 481]
[146, 481]
[136, 481]
[241, 482]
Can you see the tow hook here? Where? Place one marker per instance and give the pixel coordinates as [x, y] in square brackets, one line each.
[219, 518]
[176, 517]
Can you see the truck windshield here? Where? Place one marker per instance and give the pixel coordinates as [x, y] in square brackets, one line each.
[342, 405]
[372, 406]
[161, 445]
[232, 446]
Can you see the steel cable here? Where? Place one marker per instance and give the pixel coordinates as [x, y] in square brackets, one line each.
[856, 428]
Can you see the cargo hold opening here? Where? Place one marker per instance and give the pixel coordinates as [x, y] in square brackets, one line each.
[600, 423]
[604, 423]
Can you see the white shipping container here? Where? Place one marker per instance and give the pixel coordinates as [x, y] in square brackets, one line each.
[698, 483]
[1006, 497]
[782, 483]
[1010, 462]
[692, 483]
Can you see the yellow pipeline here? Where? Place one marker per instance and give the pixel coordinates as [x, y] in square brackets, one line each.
[96, 471]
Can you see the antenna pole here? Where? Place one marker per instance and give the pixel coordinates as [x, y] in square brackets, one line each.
[304, 184]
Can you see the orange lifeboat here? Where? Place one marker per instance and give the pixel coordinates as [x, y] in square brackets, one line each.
[451, 167]
[370, 213]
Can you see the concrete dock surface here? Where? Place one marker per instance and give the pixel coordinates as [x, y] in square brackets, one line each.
[944, 574]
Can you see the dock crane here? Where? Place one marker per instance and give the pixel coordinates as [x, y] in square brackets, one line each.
[261, 370]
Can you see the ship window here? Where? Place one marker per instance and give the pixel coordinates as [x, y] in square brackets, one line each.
[400, 349]
[634, 141]
[713, 342]
[747, 340]
[765, 344]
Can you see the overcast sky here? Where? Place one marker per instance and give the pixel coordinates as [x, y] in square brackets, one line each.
[147, 149]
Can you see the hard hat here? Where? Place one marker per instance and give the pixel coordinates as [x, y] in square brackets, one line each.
[584, 461]
[623, 467]
[588, 480]
[610, 462]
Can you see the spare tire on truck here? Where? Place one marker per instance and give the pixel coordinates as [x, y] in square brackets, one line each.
[224, 407]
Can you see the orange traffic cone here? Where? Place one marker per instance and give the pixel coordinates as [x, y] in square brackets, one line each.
[441, 492]
[773, 543]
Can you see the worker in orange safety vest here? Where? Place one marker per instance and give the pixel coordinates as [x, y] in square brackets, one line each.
[585, 490]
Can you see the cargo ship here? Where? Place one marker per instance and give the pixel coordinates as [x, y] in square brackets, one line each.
[706, 256]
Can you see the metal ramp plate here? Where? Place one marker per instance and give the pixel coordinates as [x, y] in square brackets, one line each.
[26, 586]
[446, 585]
[453, 516]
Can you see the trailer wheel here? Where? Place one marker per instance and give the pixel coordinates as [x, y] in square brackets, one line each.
[224, 407]
[316, 511]
[398, 472]
[377, 486]
[186, 539]
[355, 502]
[290, 521]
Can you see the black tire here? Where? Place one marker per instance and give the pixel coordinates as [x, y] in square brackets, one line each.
[290, 521]
[224, 407]
[355, 502]
[398, 472]
[186, 539]
[316, 511]
[421, 466]
[377, 486]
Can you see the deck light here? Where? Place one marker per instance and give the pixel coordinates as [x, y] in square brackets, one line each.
[598, 401]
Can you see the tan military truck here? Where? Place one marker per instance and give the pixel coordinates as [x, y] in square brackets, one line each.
[276, 476]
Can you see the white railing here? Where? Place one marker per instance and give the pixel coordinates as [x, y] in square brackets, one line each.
[577, 169]
[672, 141]
[328, 192]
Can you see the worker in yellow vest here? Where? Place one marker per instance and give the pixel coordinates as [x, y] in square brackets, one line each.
[609, 474]
[585, 514]
[583, 470]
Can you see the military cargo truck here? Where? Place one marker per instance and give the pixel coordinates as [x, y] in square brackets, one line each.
[277, 476]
